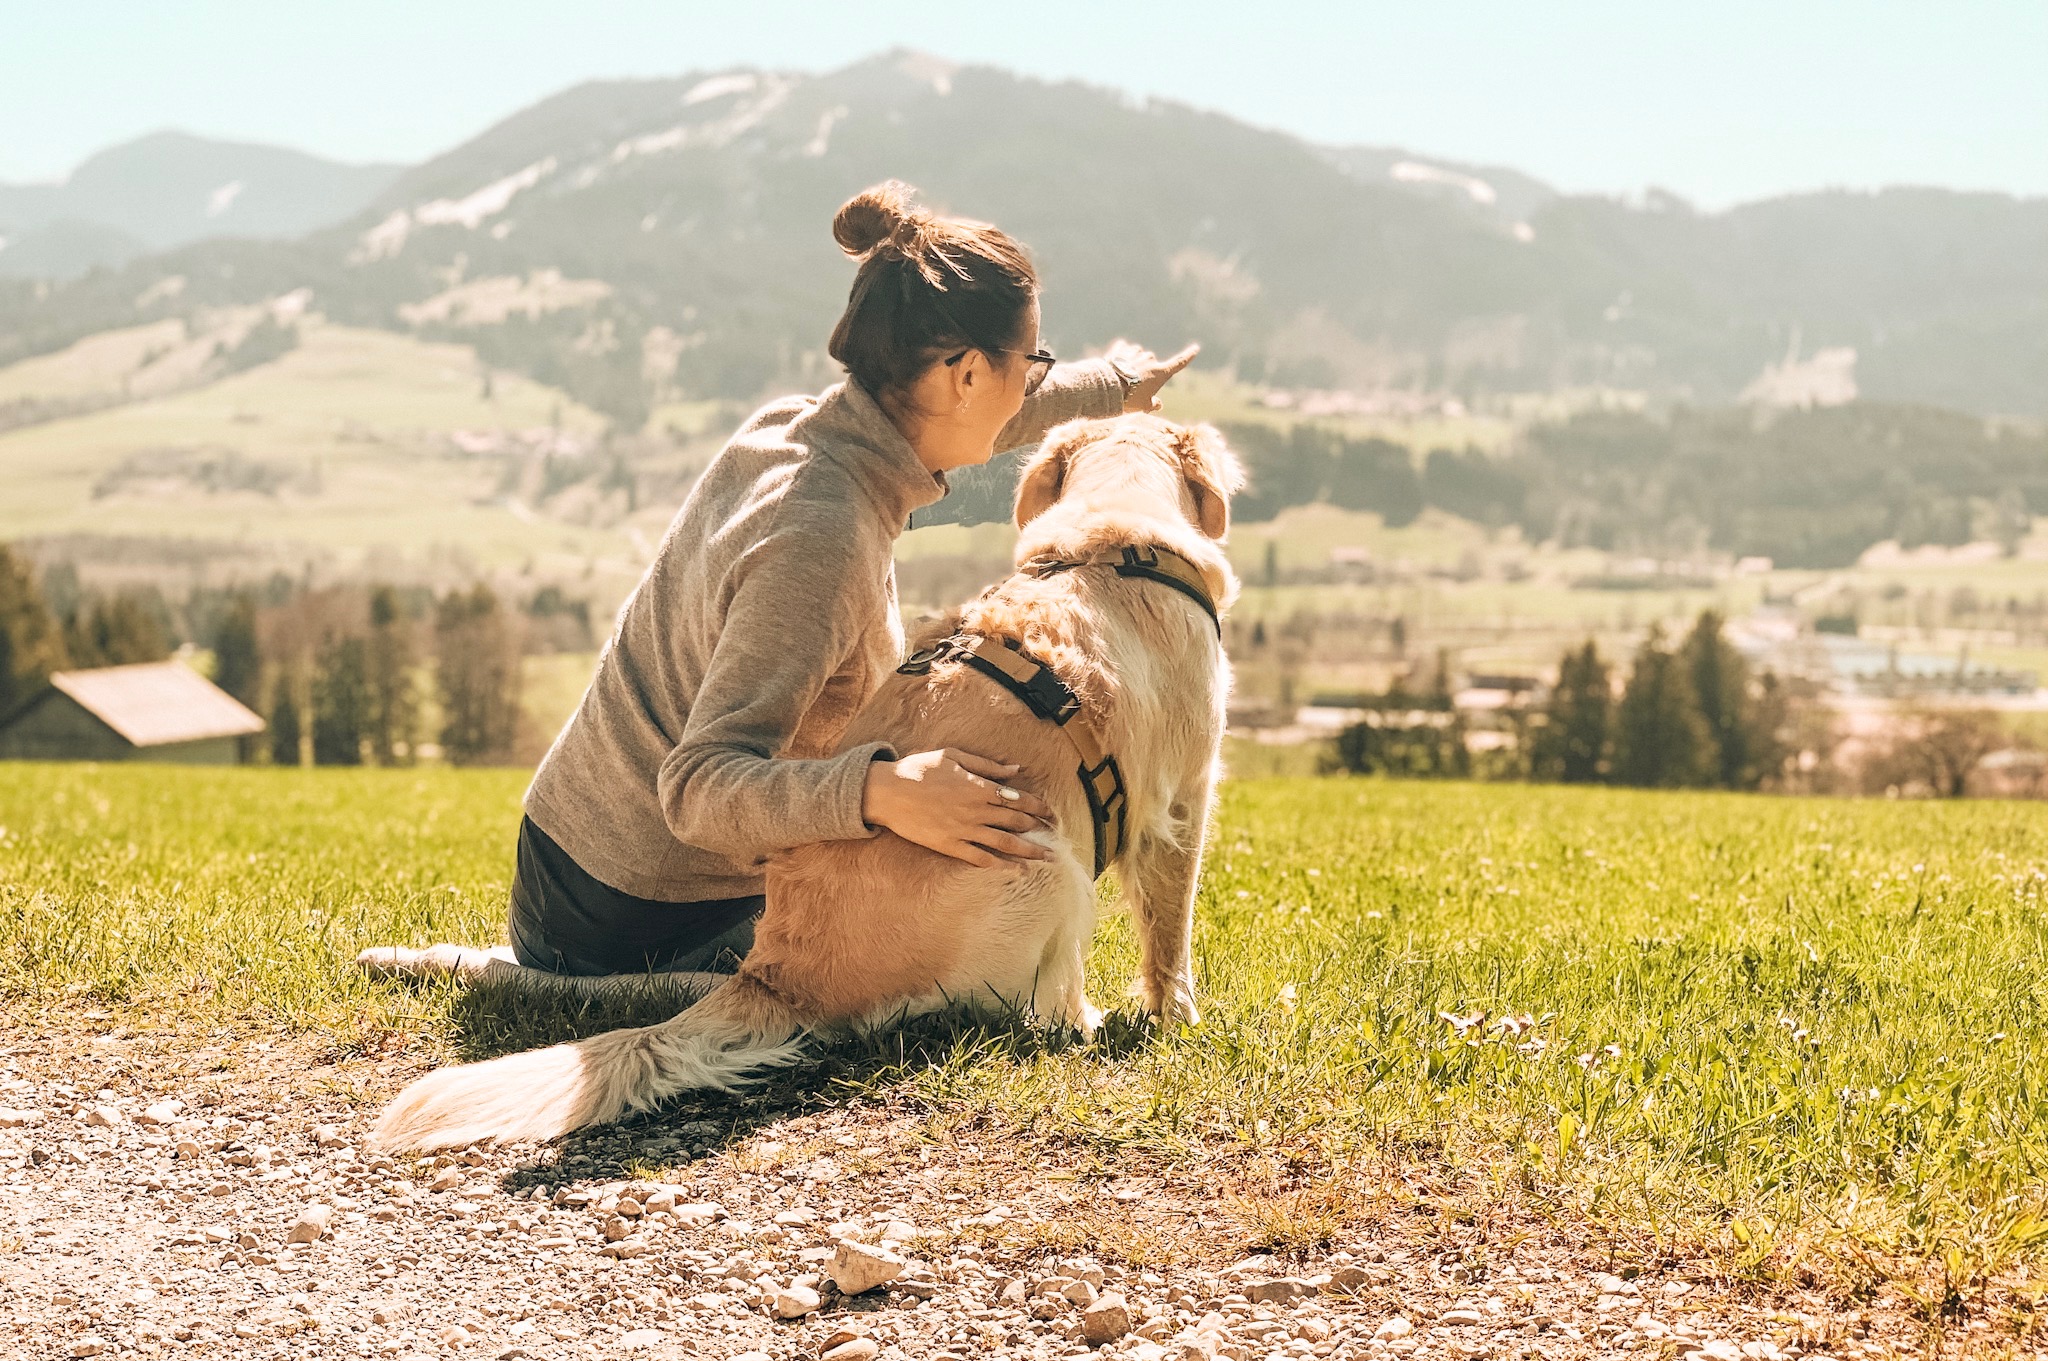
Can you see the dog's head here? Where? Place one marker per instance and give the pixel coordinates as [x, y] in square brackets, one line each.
[1133, 461]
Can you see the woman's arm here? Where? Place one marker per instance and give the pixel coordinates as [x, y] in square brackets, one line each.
[1127, 379]
[1087, 387]
[792, 618]
[797, 611]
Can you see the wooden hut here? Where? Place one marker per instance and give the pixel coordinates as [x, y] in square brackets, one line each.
[157, 711]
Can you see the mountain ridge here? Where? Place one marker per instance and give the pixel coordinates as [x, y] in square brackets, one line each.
[692, 211]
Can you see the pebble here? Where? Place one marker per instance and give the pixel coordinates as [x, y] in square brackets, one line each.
[1106, 1320]
[796, 1301]
[311, 1223]
[13, 1117]
[90, 1345]
[454, 1335]
[854, 1349]
[640, 1339]
[162, 1113]
[447, 1179]
[857, 1268]
[105, 1116]
[1397, 1326]
[1277, 1291]
[1080, 1293]
[1461, 1317]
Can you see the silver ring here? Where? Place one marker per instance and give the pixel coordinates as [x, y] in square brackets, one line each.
[1009, 795]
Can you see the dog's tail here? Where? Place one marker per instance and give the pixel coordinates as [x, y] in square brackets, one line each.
[721, 1042]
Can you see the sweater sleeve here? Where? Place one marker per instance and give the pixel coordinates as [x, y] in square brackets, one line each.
[798, 609]
[1088, 387]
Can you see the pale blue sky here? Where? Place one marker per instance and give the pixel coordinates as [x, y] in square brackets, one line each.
[1720, 101]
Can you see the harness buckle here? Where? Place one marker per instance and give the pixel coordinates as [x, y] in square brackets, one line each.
[1146, 557]
[1046, 697]
[1106, 808]
[921, 661]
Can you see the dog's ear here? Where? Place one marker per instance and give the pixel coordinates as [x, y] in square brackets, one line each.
[1046, 474]
[1213, 473]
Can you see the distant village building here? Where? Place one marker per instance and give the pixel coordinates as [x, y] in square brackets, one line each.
[157, 711]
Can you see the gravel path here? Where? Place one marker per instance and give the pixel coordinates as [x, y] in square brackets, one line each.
[162, 1196]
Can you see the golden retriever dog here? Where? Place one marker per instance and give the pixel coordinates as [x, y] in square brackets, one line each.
[860, 934]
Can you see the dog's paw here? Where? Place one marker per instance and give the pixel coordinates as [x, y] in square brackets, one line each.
[1171, 1003]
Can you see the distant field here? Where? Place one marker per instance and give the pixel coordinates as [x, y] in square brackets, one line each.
[1804, 1035]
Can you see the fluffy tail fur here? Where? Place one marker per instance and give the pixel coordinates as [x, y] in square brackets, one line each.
[543, 1094]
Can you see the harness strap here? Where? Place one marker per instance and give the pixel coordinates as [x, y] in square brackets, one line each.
[1148, 563]
[1051, 699]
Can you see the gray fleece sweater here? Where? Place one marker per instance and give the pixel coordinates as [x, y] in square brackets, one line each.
[706, 741]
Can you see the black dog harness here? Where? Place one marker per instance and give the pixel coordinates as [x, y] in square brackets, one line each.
[1004, 661]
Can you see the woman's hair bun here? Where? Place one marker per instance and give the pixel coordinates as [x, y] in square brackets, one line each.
[875, 215]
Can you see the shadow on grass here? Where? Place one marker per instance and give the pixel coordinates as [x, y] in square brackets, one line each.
[837, 1073]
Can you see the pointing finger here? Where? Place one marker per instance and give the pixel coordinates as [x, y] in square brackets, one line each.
[1181, 360]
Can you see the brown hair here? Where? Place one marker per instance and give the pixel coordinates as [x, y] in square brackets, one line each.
[927, 285]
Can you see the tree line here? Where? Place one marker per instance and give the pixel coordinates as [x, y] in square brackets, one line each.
[1690, 715]
[1809, 489]
[344, 675]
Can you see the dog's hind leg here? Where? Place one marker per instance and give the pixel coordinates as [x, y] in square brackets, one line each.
[1159, 874]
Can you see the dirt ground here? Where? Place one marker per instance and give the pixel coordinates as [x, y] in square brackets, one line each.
[152, 1184]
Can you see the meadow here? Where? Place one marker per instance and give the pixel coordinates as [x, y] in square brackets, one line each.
[1798, 1039]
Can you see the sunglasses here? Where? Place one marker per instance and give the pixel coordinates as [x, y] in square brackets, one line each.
[1039, 364]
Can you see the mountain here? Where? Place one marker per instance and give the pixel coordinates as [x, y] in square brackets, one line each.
[638, 241]
[168, 189]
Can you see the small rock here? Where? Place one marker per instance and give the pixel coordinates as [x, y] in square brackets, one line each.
[105, 1116]
[1012, 1293]
[1350, 1280]
[162, 1113]
[640, 1339]
[1397, 1326]
[627, 1247]
[845, 1332]
[187, 1149]
[628, 1207]
[898, 1231]
[796, 1301]
[698, 1212]
[1613, 1285]
[1148, 1351]
[1277, 1291]
[857, 1267]
[1106, 1320]
[14, 1118]
[660, 1203]
[616, 1228]
[89, 1345]
[328, 1136]
[454, 1335]
[855, 1349]
[447, 1179]
[1720, 1349]
[1079, 1292]
[387, 1313]
[1461, 1317]
[311, 1223]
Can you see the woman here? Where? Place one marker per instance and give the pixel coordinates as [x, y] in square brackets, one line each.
[706, 740]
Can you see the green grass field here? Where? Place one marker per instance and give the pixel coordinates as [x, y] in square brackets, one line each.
[1798, 1036]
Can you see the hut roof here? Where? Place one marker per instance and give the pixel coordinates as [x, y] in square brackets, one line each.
[154, 704]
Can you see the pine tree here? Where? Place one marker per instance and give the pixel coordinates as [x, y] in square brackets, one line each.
[118, 631]
[284, 723]
[237, 660]
[394, 706]
[476, 670]
[1660, 740]
[31, 645]
[1720, 684]
[1572, 745]
[341, 703]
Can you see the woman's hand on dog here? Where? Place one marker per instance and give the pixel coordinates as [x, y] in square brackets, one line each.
[955, 803]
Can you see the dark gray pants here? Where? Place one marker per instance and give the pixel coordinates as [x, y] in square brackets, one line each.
[564, 921]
